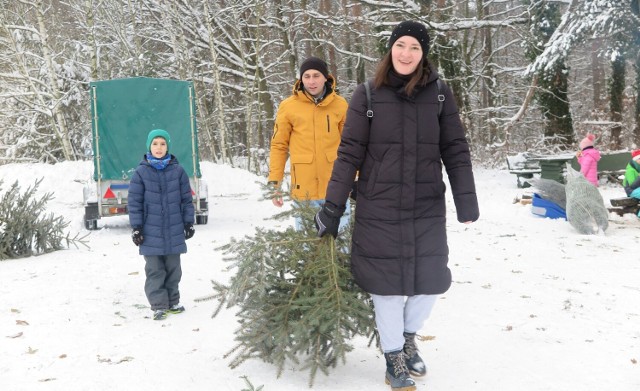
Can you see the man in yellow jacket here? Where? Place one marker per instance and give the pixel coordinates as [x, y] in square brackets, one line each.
[308, 128]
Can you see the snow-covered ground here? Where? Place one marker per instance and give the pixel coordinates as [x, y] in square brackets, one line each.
[534, 305]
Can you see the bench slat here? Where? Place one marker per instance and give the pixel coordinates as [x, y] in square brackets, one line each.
[523, 168]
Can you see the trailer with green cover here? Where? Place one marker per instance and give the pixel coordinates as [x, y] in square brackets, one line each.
[123, 111]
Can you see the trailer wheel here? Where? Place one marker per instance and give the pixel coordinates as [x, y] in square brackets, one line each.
[91, 216]
[91, 225]
[202, 219]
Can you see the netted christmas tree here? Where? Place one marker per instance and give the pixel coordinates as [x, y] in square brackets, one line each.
[295, 297]
[26, 229]
[585, 207]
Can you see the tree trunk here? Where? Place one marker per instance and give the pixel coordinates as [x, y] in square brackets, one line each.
[307, 21]
[597, 72]
[487, 86]
[555, 103]
[169, 17]
[635, 8]
[93, 67]
[136, 41]
[248, 85]
[636, 114]
[266, 106]
[217, 87]
[553, 80]
[58, 121]
[616, 92]
[354, 43]
[284, 35]
[327, 34]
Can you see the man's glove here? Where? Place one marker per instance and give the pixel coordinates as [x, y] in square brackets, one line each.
[328, 219]
[136, 236]
[189, 231]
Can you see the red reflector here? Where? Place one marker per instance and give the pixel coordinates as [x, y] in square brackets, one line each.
[193, 192]
[109, 194]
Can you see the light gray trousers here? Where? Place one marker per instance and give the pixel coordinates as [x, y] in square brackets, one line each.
[397, 314]
[163, 276]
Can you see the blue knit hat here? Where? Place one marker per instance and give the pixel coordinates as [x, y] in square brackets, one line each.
[158, 133]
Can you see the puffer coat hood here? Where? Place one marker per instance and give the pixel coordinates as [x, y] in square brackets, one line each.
[160, 202]
[399, 240]
[307, 132]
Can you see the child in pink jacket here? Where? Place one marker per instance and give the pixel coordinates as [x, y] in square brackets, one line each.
[588, 158]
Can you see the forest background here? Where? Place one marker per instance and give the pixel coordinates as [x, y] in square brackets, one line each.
[528, 75]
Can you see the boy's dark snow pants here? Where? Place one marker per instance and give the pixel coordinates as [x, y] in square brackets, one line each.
[163, 276]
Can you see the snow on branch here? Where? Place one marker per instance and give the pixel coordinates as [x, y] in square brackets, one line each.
[583, 18]
[557, 48]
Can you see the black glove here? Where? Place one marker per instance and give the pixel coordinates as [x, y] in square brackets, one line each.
[136, 236]
[189, 231]
[328, 219]
[354, 191]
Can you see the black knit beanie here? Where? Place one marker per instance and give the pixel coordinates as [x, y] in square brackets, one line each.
[314, 63]
[416, 30]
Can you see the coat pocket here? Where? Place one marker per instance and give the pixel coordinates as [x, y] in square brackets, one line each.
[301, 170]
[371, 182]
[332, 156]
[375, 172]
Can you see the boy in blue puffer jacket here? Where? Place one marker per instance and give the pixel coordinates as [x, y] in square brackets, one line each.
[161, 214]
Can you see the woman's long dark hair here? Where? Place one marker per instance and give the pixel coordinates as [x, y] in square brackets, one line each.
[419, 77]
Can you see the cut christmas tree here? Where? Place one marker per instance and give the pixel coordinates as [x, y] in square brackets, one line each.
[295, 297]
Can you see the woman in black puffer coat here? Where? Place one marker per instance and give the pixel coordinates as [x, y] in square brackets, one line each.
[399, 250]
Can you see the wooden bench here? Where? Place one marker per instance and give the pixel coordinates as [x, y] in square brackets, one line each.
[613, 165]
[523, 168]
[610, 166]
[623, 205]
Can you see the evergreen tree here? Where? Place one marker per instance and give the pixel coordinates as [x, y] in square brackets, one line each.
[296, 298]
[25, 228]
[552, 80]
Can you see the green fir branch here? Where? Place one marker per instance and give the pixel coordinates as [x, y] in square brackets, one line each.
[25, 227]
[251, 387]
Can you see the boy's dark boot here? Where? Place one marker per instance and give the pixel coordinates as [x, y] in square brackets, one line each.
[160, 314]
[415, 364]
[176, 309]
[397, 374]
